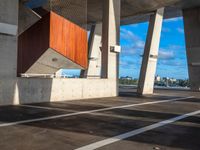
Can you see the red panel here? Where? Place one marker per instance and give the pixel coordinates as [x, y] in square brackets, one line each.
[68, 39]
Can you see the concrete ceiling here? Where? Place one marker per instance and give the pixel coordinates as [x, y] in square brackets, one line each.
[134, 11]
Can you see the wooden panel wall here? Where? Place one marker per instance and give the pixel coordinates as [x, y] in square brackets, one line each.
[68, 39]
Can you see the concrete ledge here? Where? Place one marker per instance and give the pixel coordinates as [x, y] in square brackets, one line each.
[8, 29]
[34, 90]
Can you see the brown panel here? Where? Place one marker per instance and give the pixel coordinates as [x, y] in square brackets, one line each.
[33, 43]
[70, 36]
[68, 39]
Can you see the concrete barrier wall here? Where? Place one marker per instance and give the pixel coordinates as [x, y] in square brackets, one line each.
[33, 90]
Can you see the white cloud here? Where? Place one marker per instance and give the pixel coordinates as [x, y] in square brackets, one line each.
[128, 50]
[164, 29]
[123, 63]
[176, 47]
[173, 19]
[171, 63]
[180, 30]
[139, 44]
[134, 25]
[166, 55]
[128, 35]
[134, 43]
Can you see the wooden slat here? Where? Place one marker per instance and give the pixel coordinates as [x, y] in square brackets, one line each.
[68, 39]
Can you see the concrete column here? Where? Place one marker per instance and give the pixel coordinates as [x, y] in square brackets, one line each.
[94, 65]
[192, 36]
[8, 48]
[149, 62]
[8, 38]
[110, 37]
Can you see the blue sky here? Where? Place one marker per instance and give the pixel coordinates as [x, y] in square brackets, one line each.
[172, 54]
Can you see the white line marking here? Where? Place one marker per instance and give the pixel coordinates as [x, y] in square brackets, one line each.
[47, 108]
[120, 137]
[88, 112]
[130, 105]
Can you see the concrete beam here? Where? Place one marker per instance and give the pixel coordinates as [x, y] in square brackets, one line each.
[149, 62]
[170, 12]
[94, 65]
[192, 32]
[8, 29]
[110, 37]
[27, 18]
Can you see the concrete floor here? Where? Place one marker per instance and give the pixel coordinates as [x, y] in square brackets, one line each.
[78, 123]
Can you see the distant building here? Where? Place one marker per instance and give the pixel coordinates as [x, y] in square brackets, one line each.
[165, 78]
[169, 79]
[172, 80]
[157, 78]
[126, 78]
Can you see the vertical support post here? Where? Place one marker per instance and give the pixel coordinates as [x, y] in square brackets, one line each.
[149, 62]
[110, 37]
[94, 63]
[8, 49]
[8, 38]
[192, 32]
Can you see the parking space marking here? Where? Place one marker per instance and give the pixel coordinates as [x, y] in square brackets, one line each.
[89, 112]
[106, 106]
[44, 107]
[120, 137]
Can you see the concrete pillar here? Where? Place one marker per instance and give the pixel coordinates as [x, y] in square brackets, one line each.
[94, 65]
[149, 62]
[8, 38]
[192, 36]
[110, 37]
[8, 48]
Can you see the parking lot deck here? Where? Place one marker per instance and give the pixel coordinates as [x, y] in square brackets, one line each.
[168, 120]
